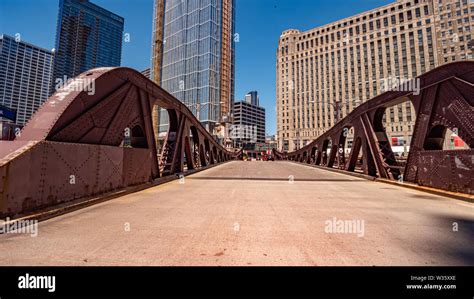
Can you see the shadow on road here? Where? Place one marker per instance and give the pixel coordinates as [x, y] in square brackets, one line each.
[463, 229]
[270, 179]
[426, 196]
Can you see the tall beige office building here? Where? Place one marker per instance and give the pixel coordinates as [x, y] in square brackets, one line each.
[325, 72]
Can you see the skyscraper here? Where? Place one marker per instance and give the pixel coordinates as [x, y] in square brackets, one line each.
[252, 98]
[147, 73]
[249, 121]
[193, 56]
[325, 72]
[87, 36]
[25, 76]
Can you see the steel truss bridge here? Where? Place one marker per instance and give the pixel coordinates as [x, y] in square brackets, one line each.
[73, 147]
[445, 100]
[80, 144]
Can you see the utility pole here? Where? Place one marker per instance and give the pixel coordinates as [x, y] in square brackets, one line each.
[337, 109]
[297, 139]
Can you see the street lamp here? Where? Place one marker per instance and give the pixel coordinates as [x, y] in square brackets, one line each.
[221, 122]
[225, 122]
[297, 133]
[198, 107]
[297, 139]
[337, 106]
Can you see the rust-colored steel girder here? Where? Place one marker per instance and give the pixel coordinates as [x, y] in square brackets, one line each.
[445, 100]
[95, 135]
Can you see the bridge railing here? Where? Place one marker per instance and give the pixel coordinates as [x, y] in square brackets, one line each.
[445, 100]
[81, 144]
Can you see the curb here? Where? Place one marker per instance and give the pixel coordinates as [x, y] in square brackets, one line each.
[455, 195]
[354, 174]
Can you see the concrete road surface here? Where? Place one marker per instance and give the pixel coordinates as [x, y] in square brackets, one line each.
[256, 213]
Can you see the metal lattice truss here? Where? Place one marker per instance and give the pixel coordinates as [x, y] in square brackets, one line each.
[96, 135]
[445, 100]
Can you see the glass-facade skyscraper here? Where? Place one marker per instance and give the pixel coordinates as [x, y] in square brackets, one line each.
[193, 56]
[87, 36]
[25, 76]
[252, 98]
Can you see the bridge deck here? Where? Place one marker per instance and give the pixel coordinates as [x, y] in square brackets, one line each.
[250, 213]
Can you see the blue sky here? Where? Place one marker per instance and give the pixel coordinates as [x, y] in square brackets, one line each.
[259, 24]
